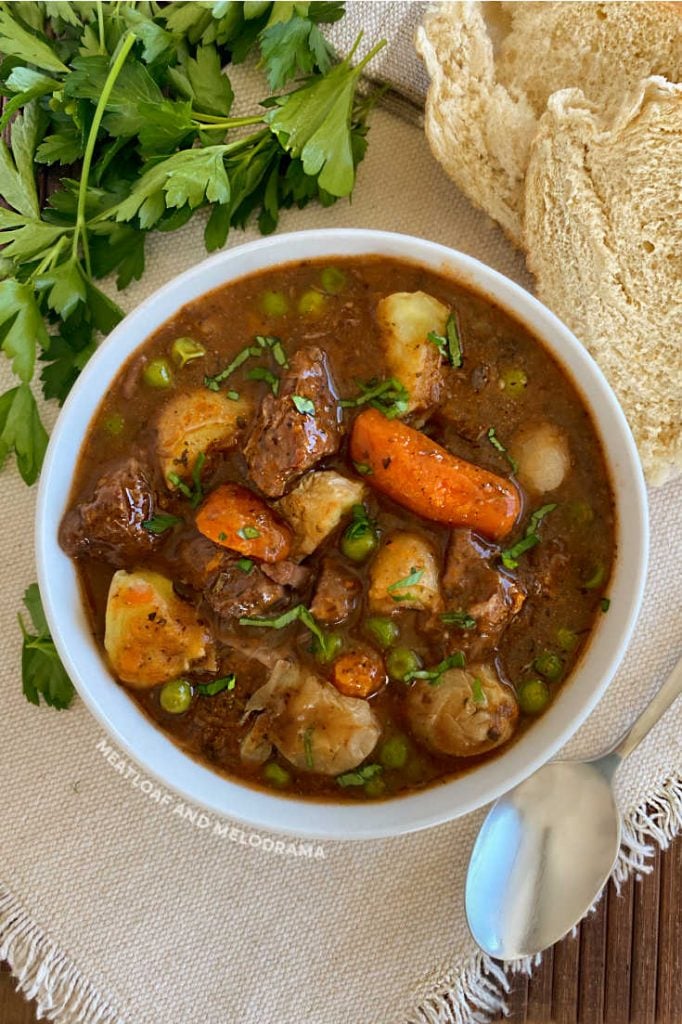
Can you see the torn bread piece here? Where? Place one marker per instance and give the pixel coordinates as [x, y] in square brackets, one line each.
[603, 236]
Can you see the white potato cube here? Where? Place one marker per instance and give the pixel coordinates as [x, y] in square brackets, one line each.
[195, 422]
[404, 574]
[317, 505]
[405, 320]
[151, 635]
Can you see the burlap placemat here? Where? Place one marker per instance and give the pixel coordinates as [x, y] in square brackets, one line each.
[120, 904]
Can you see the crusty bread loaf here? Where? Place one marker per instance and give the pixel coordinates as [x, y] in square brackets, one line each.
[477, 130]
[549, 117]
[603, 236]
[494, 65]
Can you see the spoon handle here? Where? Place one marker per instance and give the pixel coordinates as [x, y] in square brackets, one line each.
[669, 692]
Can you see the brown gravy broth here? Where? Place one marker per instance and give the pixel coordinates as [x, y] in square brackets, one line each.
[577, 543]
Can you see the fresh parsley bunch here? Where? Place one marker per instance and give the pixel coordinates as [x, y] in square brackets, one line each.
[135, 96]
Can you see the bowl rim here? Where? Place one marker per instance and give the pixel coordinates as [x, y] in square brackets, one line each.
[147, 745]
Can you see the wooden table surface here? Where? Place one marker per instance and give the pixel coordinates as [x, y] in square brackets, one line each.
[625, 966]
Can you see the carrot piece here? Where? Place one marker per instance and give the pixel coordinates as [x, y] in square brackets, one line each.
[359, 673]
[422, 476]
[236, 518]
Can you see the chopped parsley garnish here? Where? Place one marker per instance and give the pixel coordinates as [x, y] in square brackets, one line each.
[433, 675]
[303, 405]
[227, 682]
[263, 343]
[510, 556]
[42, 672]
[248, 533]
[194, 494]
[449, 344]
[245, 565]
[388, 396]
[359, 776]
[222, 536]
[477, 692]
[497, 444]
[308, 746]
[160, 523]
[299, 613]
[408, 581]
[362, 468]
[460, 619]
[267, 376]
[605, 604]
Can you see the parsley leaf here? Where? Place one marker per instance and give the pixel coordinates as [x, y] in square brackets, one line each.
[22, 432]
[510, 556]
[313, 123]
[291, 47]
[248, 533]
[201, 80]
[189, 176]
[449, 344]
[43, 674]
[303, 405]
[414, 577]
[308, 746]
[227, 682]
[299, 613]
[33, 48]
[498, 446]
[161, 522]
[388, 396]
[433, 675]
[194, 494]
[267, 376]
[21, 326]
[460, 619]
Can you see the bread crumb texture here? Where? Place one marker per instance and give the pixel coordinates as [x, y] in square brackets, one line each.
[564, 123]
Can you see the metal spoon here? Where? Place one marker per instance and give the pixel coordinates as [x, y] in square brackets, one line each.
[547, 847]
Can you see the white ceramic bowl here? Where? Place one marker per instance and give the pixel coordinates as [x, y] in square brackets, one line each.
[147, 745]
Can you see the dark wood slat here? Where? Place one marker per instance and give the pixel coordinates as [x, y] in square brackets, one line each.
[645, 947]
[517, 1000]
[618, 954]
[669, 982]
[565, 980]
[13, 1007]
[593, 964]
[540, 990]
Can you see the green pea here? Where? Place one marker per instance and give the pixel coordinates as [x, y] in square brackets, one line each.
[274, 303]
[359, 541]
[400, 661]
[184, 350]
[580, 512]
[331, 649]
[567, 639]
[596, 578]
[311, 303]
[176, 696]
[333, 280]
[533, 696]
[383, 630]
[375, 787]
[549, 665]
[114, 424]
[158, 374]
[513, 380]
[393, 753]
[277, 776]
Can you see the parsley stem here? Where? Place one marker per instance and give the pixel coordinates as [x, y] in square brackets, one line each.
[100, 22]
[209, 122]
[81, 226]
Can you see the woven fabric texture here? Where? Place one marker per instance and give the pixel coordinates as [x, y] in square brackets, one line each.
[170, 917]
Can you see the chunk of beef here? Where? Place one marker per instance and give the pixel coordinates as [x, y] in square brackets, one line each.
[284, 442]
[109, 525]
[472, 584]
[336, 594]
[228, 590]
[289, 574]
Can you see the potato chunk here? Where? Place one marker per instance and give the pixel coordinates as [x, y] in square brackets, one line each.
[543, 456]
[404, 574]
[314, 726]
[317, 505]
[194, 422]
[405, 320]
[469, 712]
[150, 634]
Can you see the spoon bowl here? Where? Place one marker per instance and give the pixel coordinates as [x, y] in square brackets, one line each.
[541, 858]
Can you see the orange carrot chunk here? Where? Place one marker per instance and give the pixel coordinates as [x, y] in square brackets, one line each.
[236, 518]
[359, 673]
[421, 475]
